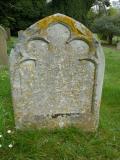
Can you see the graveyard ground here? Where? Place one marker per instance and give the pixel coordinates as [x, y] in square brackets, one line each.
[70, 143]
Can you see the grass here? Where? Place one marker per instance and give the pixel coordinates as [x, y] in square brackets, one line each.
[70, 143]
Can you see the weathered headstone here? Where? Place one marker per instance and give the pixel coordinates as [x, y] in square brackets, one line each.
[8, 32]
[3, 47]
[118, 46]
[20, 34]
[57, 70]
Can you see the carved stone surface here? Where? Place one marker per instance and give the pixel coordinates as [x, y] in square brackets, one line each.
[57, 70]
[3, 47]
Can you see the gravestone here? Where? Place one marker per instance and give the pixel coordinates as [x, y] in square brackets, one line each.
[20, 34]
[57, 70]
[3, 47]
[8, 32]
[118, 46]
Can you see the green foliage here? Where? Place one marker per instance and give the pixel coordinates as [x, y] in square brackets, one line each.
[77, 9]
[27, 12]
[91, 16]
[107, 2]
[113, 11]
[5, 12]
[20, 14]
[102, 4]
[98, 11]
[108, 26]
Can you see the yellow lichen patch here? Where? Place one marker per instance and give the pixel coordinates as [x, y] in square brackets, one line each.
[81, 32]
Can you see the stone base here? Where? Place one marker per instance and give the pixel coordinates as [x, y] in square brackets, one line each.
[84, 121]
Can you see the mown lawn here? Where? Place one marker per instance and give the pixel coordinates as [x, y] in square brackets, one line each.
[70, 143]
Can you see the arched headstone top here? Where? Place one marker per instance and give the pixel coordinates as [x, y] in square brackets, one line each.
[77, 30]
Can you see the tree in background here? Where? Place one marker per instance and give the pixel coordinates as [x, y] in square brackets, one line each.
[98, 9]
[113, 11]
[91, 16]
[108, 26]
[77, 9]
[102, 4]
[27, 12]
[19, 14]
[6, 7]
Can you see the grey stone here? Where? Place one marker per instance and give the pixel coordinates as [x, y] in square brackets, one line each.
[118, 46]
[8, 32]
[57, 71]
[20, 34]
[3, 47]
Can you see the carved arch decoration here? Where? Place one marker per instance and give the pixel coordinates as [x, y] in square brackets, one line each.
[38, 32]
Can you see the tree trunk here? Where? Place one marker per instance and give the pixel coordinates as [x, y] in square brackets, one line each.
[110, 37]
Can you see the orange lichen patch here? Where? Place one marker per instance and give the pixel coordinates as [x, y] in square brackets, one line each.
[82, 33]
